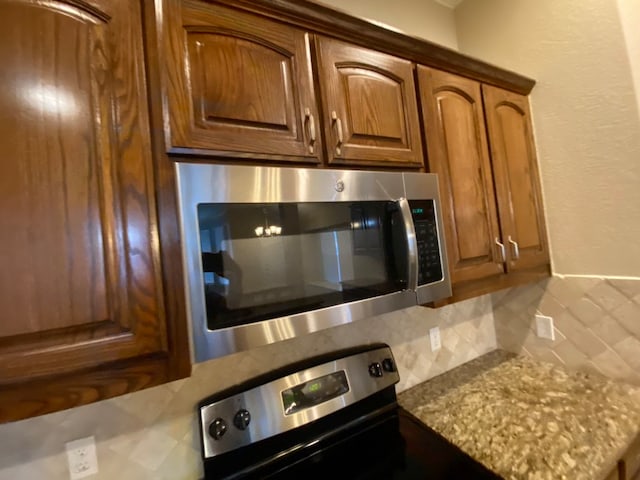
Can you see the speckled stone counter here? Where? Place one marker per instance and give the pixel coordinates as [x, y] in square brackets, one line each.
[526, 419]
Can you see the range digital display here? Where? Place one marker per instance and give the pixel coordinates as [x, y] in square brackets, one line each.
[314, 392]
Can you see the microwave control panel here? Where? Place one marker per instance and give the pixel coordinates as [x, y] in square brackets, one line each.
[424, 221]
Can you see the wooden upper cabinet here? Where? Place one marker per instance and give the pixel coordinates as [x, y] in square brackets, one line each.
[480, 143]
[458, 153]
[238, 85]
[370, 107]
[516, 178]
[80, 282]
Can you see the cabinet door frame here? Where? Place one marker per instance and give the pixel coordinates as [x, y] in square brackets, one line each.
[435, 87]
[134, 339]
[519, 257]
[406, 151]
[299, 141]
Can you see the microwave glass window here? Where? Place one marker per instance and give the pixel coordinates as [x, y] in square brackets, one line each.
[264, 261]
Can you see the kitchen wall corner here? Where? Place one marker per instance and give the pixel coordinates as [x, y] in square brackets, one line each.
[153, 433]
[597, 323]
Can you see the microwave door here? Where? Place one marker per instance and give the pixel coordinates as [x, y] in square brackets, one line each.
[300, 251]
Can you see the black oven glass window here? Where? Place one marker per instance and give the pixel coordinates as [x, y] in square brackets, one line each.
[270, 260]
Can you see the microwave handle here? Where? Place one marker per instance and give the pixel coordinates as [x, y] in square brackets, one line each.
[412, 243]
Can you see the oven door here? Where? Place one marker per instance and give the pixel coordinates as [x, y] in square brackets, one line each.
[272, 253]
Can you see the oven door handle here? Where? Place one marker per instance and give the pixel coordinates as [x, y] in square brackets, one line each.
[412, 244]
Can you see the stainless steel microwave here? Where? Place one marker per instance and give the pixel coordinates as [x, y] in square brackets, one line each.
[271, 253]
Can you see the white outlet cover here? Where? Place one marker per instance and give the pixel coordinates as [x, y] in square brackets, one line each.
[434, 336]
[82, 457]
[544, 327]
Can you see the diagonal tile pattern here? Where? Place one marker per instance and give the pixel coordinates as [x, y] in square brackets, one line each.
[597, 323]
[153, 433]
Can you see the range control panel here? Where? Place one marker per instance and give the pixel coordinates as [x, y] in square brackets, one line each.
[429, 261]
[291, 401]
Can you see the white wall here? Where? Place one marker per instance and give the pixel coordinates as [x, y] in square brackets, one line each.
[419, 18]
[585, 114]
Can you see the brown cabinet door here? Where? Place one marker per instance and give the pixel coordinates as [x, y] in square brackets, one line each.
[238, 85]
[458, 153]
[80, 283]
[516, 178]
[370, 106]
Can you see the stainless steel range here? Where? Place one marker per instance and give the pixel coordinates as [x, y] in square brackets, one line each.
[333, 416]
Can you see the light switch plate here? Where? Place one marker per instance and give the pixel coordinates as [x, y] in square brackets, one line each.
[434, 336]
[82, 457]
[544, 327]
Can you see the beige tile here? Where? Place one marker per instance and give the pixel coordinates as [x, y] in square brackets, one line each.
[550, 306]
[587, 311]
[183, 463]
[177, 385]
[538, 347]
[147, 405]
[153, 449]
[606, 296]
[629, 288]
[629, 351]
[628, 314]
[571, 355]
[564, 290]
[510, 344]
[609, 330]
[499, 297]
[580, 336]
[583, 283]
[550, 356]
[611, 365]
[521, 297]
[28, 471]
[112, 465]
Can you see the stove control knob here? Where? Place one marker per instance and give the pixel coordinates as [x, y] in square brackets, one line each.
[375, 370]
[218, 428]
[388, 365]
[242, 419]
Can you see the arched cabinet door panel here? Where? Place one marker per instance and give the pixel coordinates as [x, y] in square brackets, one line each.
[516, 178]
[370, 106]
[238, 85]
[80, 283]
[458, 153]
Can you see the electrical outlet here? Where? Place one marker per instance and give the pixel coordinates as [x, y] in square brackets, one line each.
[82, 458]
[434, 336]
[544, 327]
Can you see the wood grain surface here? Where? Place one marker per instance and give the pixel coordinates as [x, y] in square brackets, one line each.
[457, 151]
[80, 284]
[238, 84]
[516, 178]
[370, 107]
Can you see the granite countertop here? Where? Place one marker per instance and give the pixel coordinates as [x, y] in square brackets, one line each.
[526, 419]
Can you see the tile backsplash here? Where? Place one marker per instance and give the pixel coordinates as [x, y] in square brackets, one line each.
[597, 323]
[152, 433]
